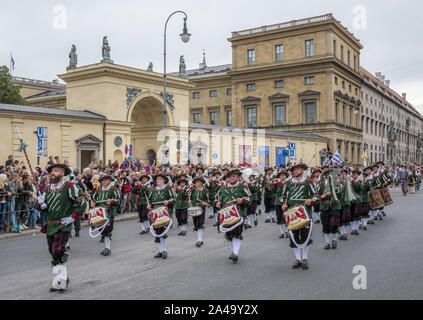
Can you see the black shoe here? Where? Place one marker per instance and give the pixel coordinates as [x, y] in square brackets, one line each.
[157, 240]
[198, 244]
[231, 256]
[181, 233]
[76, 234]
[365, 228]
[327, 247]
[380, 218]
[287, 235]
[296, 265]
[102, 240]
[384, 214]
[360, 227]
[142, 232]
[235, 258]
[255, 223]
[304, 264]
[211, 217]
[267, 220]
[273, 220]
[67, 285]
[215, 225]
[164, 255]
[334, 244]
[375, 218]
[282, 236]
[158, 255]
[345, 237]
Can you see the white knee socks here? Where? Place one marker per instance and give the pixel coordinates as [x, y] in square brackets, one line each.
[163, 244]
[107, 242]
[237, 245]
[231, 245]
[297, 253]
[327, 238]
[268, 216]
[305, 252]
[200, 235]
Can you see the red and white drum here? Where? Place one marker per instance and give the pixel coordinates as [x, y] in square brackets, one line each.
[97, 216]
[160, 217]
[229, 216]
[296, 218]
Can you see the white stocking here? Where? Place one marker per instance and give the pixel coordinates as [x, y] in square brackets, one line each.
[305, 252]
[281, 228]
[200, 235]
[163, 242]
[237, 245]
[107, 242]
[231, 245]
[327, 238]
[297, 253]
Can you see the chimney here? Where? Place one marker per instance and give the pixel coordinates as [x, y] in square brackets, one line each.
[55, 81]
[387, 82]
[404, 96]
[378, 75]
[382, 78]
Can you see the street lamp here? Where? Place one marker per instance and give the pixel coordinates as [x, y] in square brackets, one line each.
[185, 36]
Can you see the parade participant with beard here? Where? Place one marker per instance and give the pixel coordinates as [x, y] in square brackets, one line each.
[300, 191]
[161, 194]
[199, 198]
[63, 202]
[280, 198]
[183, 194]
[234, 193]
[107, 195]
[142, 190]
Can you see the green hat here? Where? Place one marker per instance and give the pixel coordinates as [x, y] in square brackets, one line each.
[316, 170]
[300, 165]
[267, 169]
[144, 176]
[368, 168]
[199, 178]
[356, 171]
[383, 163]
[182, 178]
[106, 176]
[217, 172]
[234, 171]
[281, 172]
[160, 175]
[59, 165]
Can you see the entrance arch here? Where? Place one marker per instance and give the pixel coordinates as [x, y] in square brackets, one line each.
[118, 155]
[150, 156]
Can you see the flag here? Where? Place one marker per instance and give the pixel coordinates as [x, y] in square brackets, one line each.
[12, 62]
[327, 160]
[336, 158]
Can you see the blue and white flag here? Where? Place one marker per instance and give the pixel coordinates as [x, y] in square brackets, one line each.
[327, 160]
[336, 159]
[12, 62]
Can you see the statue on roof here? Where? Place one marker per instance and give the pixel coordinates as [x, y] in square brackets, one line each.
[73, 58]
[150, 67]
[182, 67]
[106, 51]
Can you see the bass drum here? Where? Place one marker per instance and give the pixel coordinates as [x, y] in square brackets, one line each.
[376, 199]
[386, 196]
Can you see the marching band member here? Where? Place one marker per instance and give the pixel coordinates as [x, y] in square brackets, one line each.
[268, 194]
[330, 207]
[107, 195]
[237, 193]
[199, 198]
[345, 216]
[162, 194]
[300, 190]
[279, 187]
[365, 189]
[356, 205]
[183, 194]
[63, 202]
[254, 187]
[317, 181]
[143, 190]
[215, 183]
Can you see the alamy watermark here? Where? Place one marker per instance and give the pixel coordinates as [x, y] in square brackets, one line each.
[360, 280]
[60, 18]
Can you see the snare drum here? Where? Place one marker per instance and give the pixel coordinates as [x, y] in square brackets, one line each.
[195, 211]
[229, 216]
[160, 217]
[376, 199]
[97, 217]
[296, 218]
[386, 196]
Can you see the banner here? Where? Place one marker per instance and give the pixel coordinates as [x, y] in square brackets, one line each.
[244, 155]
[263, 156]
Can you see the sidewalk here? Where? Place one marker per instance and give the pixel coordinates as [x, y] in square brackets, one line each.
[36, 232]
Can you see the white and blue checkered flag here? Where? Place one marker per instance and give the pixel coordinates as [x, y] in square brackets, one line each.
[327, 160]
[336, 159]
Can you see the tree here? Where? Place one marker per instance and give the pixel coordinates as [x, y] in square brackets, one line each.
[9, 92]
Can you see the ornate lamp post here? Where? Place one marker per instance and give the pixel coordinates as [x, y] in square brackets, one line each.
[185, 36]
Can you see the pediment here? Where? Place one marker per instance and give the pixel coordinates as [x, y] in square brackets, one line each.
[250, 99]
[279, 96]
[89, 139]
[309, 93]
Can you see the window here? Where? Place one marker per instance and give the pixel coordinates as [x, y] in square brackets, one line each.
[355, 62]
[213, 117]
[309, 80]
[342, 53]
[309, 48]
[196, 95]
[229, 118]
[349, 57]
[310, 111]
[279, 115]
[213, 93]
[251, 87]
[197, 117]
[343, 84]
[334, 47]
[251, 57]
[336, 80]
[279, 52]
[349, 87]
[279, 84]
[251, 117]
[229, 91]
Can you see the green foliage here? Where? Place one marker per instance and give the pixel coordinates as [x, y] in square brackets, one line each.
[9, 92]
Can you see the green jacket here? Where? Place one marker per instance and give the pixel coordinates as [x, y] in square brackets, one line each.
[101, 196]
[199, 195]
[182, 197]
[143, 193]
[297, 192]
[227, 194]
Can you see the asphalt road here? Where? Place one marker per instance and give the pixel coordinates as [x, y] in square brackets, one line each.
[391, 251]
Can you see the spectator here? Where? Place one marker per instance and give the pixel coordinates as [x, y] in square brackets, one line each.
[13, 187]
[10, 161]
[23, 203]
[4, 195]
[50, 161]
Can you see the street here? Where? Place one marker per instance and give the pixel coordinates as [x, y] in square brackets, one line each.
[391, 252]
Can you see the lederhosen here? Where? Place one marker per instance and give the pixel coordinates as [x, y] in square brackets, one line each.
[142, 191]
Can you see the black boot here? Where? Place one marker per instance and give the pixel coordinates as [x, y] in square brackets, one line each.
[255, 223]
[235, 258]
[158, 255]
[231, 256]
[334, 244]
[327, 247]
[296, 265]
[304, 264]
[164, 255]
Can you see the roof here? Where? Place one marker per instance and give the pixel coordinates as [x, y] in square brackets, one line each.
[269, 132]
[50, 111]
[47, 94]
[206, 70]
[373, 82]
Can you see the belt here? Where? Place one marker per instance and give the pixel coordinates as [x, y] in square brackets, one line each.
[53, 222]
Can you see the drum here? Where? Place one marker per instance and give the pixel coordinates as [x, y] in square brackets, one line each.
[376, 199]
[386, 196]
[160, 217]
[195, 211]
[229, 216]
[296, 218]
[97, 216]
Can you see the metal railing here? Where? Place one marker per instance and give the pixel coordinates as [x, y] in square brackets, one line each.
[283, 25]
[37, 82]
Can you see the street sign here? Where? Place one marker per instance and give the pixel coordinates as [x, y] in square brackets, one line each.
[215, 156]
[130, 152]
[292, 154]
[292, 146]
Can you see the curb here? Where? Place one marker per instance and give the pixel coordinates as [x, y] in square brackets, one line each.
[28, 233]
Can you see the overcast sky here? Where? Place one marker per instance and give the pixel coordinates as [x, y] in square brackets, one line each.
[34, 33]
